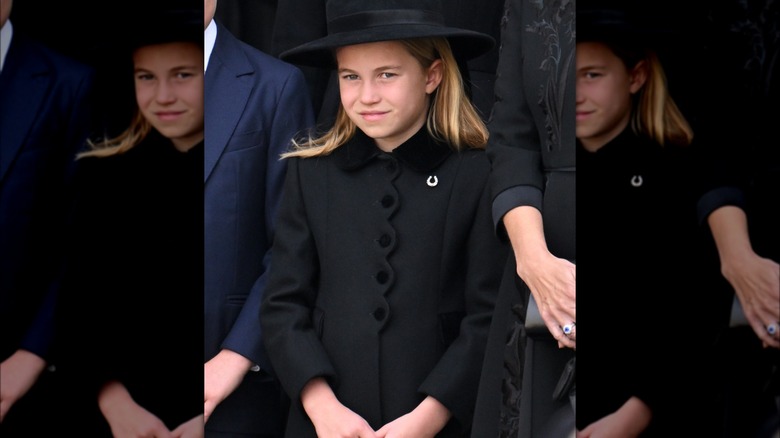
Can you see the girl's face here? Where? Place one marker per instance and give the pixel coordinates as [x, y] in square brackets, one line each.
[169, 90]
[385, 90]
[604, 90]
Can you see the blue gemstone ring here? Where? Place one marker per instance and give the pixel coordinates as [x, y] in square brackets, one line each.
[568, 328]
[771, 329]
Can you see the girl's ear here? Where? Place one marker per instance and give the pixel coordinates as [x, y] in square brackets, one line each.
[638, 76]
[435, 72]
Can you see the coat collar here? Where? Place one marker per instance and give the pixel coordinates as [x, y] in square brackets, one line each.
[421, 152]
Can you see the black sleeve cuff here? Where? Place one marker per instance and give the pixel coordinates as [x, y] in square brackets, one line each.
[510, 198]
[716, 198]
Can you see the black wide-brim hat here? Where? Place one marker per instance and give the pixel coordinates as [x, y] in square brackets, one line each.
[145, 22]
[352, 22]
[174, 21]
[628, 24]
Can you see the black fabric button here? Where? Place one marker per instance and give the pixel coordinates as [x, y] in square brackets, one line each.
[379, 314]
[388, 201]
[384, 241]
[381, 277]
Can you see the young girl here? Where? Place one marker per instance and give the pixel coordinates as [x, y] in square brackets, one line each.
[131, 321]
[636, 253]
[385, 263]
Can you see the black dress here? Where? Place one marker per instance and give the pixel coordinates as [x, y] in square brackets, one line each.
[639, 325]
[532, 156]
[743, 161]
[132, 308]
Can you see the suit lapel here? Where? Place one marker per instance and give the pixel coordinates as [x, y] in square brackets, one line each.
[227, 88]
[24, 83]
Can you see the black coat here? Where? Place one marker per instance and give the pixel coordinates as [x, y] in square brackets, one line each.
[132, 301]
[639, 315]
[382, 283]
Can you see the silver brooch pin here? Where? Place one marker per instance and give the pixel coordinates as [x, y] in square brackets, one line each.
[636, 180]
[432, 181]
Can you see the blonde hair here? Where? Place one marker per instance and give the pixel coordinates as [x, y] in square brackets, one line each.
[139, 128]
[656, 115]
[452, 117]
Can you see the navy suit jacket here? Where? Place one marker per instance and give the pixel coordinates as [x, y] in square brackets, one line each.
[255, 105]
[44, 120]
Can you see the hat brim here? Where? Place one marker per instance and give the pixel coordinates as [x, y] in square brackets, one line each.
[465, 44]
[626, 26]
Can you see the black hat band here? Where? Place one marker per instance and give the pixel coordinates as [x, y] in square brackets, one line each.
[363, 20]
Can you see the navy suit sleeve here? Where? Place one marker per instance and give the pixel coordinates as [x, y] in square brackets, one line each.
[40, 335]
[292, 115]
[71, 103]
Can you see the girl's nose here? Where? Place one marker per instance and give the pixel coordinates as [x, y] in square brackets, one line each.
[164, 93]
[368, 92]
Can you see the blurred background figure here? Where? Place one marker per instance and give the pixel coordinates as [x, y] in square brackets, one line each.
[44, 120]
[130, 322]
[639, 268]
[739, 109]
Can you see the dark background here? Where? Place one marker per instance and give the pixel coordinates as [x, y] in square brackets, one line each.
[93, 31]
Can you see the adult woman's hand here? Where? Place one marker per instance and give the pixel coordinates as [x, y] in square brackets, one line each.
[552, 280]
[755, 279]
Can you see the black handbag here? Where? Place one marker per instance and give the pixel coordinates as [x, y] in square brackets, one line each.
[535, 327]
[534, 324]
[738, 318]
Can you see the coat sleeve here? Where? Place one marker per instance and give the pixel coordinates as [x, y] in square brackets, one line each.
[87, 347]
[293, 345]
[514, 146]
[455, 379]
[534, 76]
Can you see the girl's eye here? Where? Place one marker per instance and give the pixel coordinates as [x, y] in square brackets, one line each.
[144, 77]
[592, 75]
[387, 75]
[350, 77]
